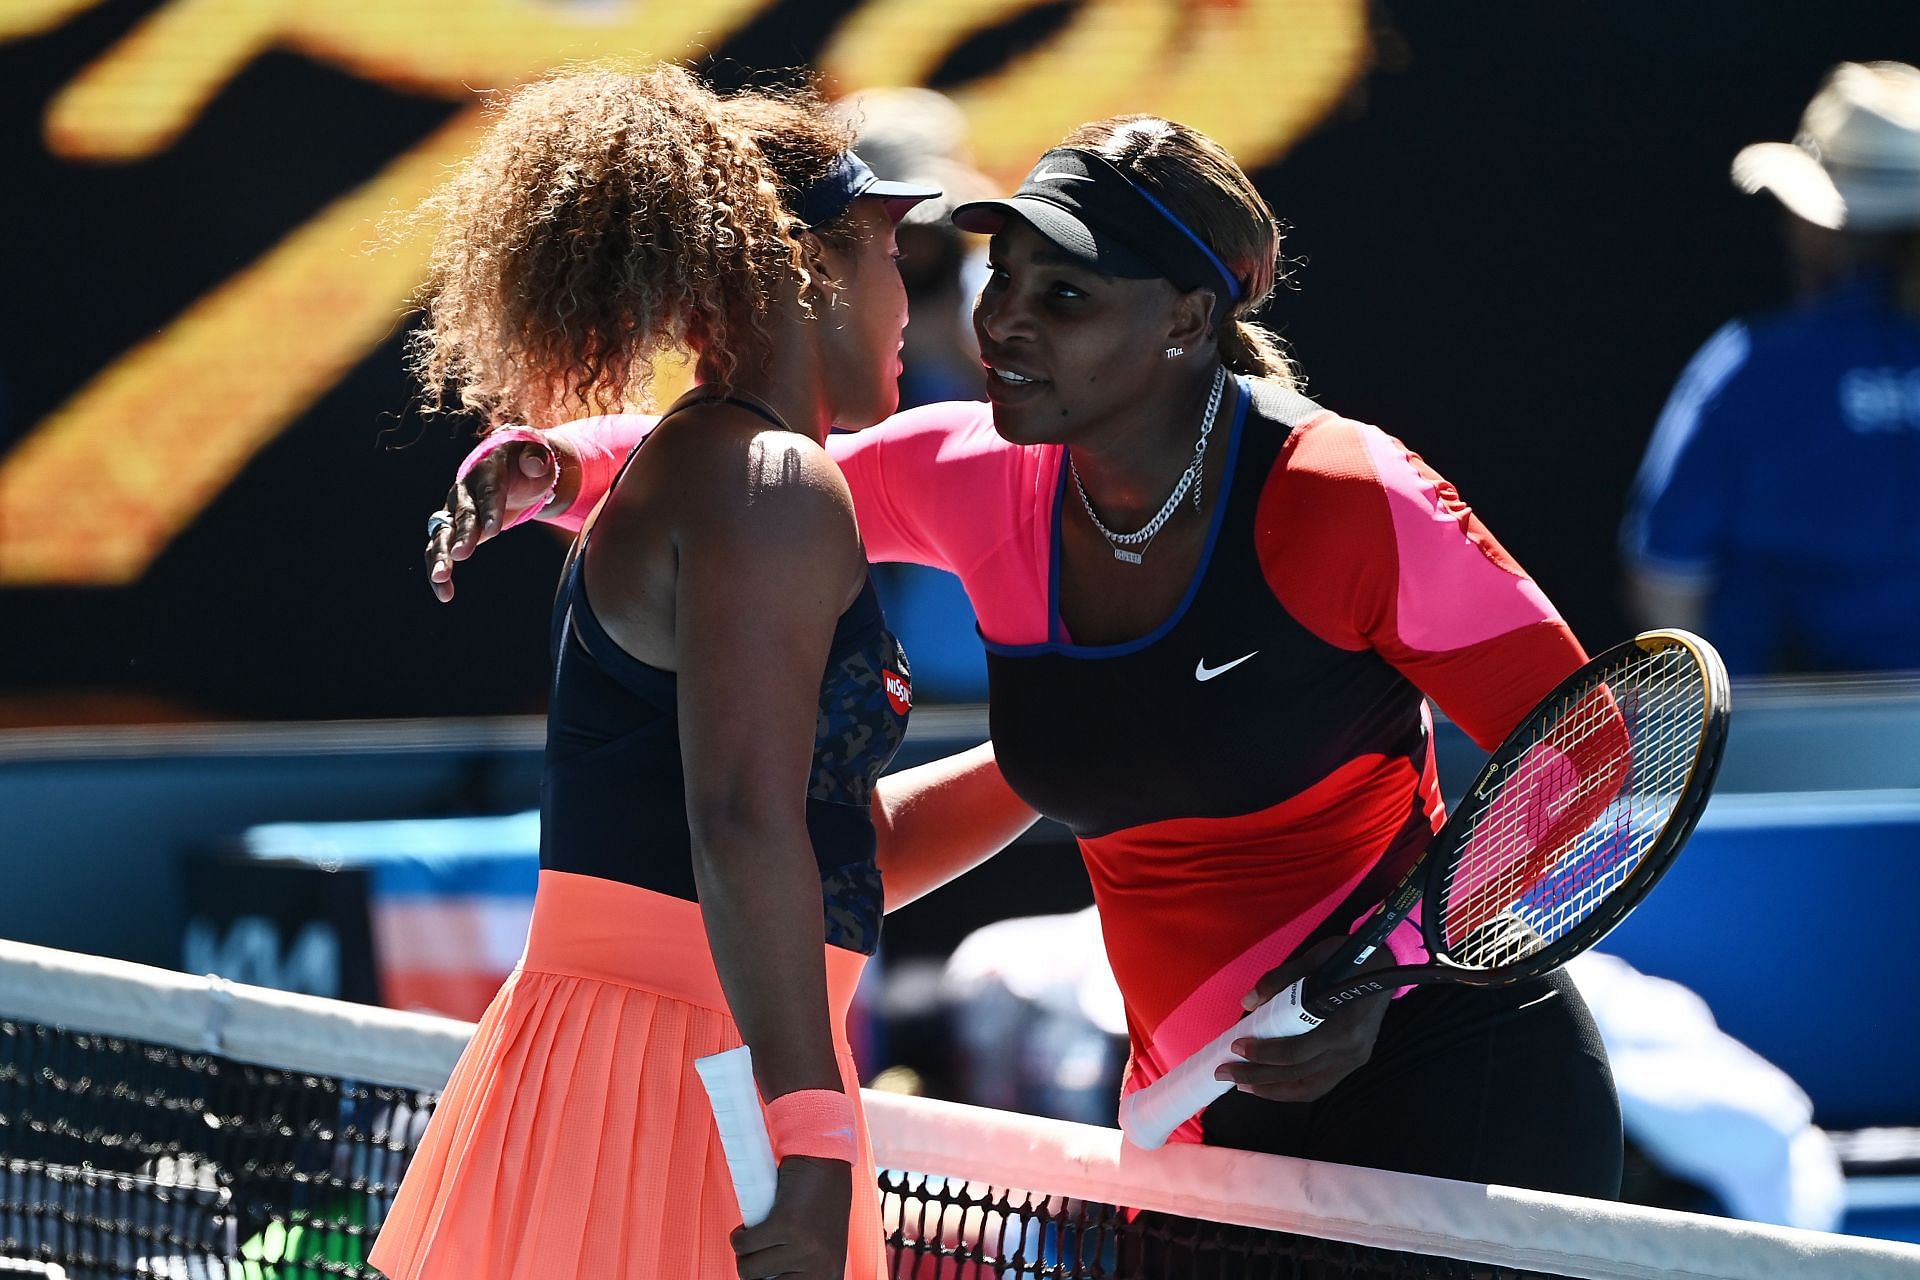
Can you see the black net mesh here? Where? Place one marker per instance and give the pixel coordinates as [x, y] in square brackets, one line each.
[120, 1158]
[125, 1158]
[940, 1230]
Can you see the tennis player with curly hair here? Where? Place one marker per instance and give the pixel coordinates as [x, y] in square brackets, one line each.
[1214, 614]
[725, 690]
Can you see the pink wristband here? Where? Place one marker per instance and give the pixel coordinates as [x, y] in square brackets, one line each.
[599, 445]
[813, 1122]
[514, 435]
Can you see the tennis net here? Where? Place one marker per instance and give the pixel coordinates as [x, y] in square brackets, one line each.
[154, 1124]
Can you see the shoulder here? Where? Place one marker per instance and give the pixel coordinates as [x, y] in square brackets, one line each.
[965, 418]
[1729, 352]
[1331, 468]
[1323, 529]
[1845, 327]
[1704, 392]
[725, 473]
[936, 459]
[1321, 456]
[1278, 402]
[1343, 496]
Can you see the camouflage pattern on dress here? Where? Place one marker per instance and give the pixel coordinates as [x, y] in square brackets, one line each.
[865, 696]
[855, 904]
[858, 729]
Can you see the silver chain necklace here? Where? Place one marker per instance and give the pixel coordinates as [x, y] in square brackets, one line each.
[1123, 543]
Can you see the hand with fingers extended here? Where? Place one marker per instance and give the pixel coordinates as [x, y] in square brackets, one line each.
[1306, 1067]
[496, 489]
[805, 1235]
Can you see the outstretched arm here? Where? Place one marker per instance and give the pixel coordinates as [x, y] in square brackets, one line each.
[921, 506]
[940, 819]
[512, 476]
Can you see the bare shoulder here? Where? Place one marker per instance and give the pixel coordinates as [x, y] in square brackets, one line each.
[730, 480]
[735, 510]
[734, 464]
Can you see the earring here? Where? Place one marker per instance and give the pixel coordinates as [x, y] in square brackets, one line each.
[1173, 352]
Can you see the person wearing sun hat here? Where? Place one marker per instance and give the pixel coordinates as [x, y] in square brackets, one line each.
[1855, 165]
[1775, 508]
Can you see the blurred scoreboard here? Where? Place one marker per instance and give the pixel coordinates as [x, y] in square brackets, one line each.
[154, 433]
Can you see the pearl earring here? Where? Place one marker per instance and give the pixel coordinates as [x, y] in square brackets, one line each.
[1173, 352]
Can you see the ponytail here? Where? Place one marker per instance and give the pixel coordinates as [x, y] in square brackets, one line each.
[1252, 349]
[1207, 192]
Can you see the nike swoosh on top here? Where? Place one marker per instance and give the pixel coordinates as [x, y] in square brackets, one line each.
[1059, 175]
[1202, 672]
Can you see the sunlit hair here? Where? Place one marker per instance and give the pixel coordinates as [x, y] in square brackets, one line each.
[609, 218]
[1194, 177]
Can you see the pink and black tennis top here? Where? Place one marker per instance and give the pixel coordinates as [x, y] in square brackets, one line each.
[1257, 771]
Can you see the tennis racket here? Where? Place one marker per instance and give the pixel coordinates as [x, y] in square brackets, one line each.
[1573, 820]
[728, 1078]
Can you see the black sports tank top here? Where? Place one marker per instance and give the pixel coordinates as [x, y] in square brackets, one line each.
[613, 798]
[1228, 707]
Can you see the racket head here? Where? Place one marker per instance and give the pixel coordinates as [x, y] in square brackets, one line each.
[1578, 812]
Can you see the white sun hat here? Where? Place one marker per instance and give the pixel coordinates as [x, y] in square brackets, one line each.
[1856, 162]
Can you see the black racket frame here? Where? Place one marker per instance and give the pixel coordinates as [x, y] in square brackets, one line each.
[1336, 984]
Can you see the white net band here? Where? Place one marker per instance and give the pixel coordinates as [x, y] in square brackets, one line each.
[1523, 1230]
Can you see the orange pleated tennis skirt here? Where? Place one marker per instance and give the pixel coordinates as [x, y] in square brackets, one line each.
[574, 1138]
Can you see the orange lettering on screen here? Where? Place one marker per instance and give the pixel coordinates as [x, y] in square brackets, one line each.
[163, 428]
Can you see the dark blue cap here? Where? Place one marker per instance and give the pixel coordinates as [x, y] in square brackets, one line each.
[848, 179]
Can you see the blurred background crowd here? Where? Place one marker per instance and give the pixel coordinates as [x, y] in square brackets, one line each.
[1587, 259]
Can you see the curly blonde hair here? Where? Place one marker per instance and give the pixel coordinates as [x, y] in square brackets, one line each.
[609, 218]
[1196, 178]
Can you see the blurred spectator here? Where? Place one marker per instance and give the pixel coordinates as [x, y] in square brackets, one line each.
[1704, 1108]
[1038, 1027]
[919, 135]
[1037, 1020]
[944, 268]
[914, 134]
[1775, 508]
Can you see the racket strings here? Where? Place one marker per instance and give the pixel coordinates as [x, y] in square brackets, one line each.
[1569, 819]
[1660, 760]
[1606, 852]
[1514, 842]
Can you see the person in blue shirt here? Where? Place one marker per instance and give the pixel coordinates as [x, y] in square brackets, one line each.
[1777, 508]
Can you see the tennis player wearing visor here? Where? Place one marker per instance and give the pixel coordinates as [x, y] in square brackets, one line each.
[1214, 614]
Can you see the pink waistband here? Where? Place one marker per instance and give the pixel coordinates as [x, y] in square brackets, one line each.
[606, 931]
